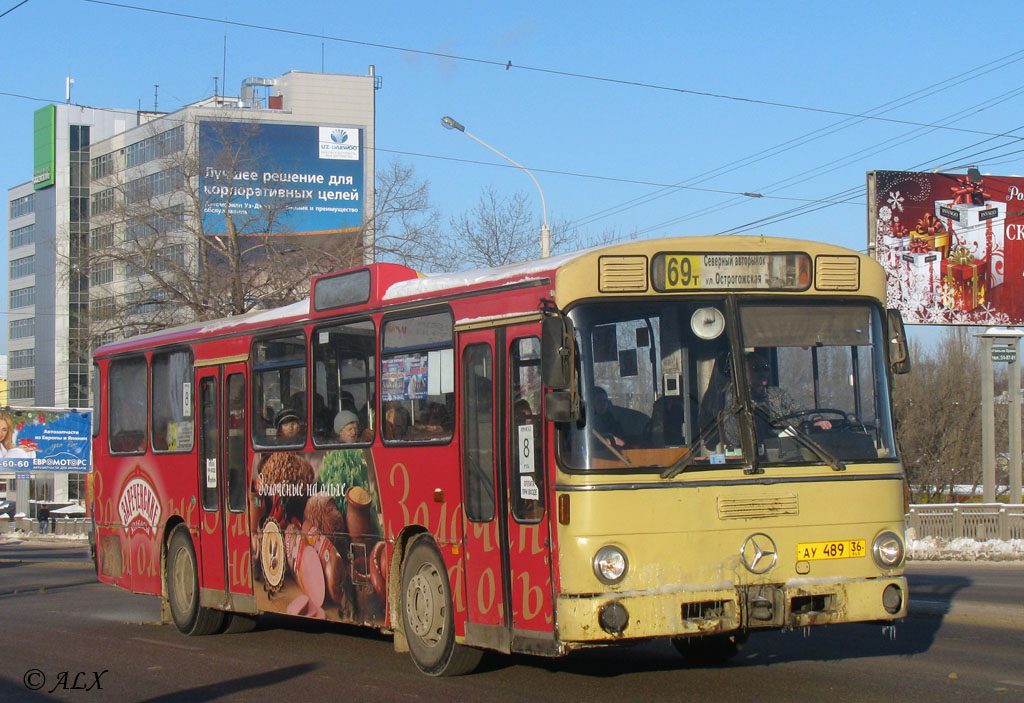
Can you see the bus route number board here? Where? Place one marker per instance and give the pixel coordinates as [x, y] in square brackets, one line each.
[682, 272]
[717, 271]
[837, 549]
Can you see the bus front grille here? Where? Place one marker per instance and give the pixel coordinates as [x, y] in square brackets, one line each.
[767, 506]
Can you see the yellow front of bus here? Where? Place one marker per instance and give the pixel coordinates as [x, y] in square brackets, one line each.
[732, 467]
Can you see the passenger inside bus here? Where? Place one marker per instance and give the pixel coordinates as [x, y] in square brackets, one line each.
[396, 421]
[433, 423]
[291, 426]
[717, 406]
[347, 428]
[601, 418]
[523, 412]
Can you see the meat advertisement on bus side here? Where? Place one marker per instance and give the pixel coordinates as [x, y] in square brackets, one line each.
[317, 545]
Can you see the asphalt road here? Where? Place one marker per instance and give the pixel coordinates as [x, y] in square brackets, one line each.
[67, 637]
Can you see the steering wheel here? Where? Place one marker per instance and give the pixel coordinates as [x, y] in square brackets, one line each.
[812, 415]
[611, 447]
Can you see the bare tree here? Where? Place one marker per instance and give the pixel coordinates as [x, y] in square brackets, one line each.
[938, 413]
[499, 230]
[179, 240]
[404, 223]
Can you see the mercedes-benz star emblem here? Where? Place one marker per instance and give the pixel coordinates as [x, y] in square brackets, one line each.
[758, 553]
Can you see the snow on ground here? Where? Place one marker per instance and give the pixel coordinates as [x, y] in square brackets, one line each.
[963, 549]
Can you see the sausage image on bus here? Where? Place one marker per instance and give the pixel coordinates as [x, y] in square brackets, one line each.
[321, 512]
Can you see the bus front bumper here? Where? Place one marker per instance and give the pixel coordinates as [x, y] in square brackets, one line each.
[683, 611]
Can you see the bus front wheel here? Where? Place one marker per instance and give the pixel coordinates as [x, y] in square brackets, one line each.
[183, 588]
[427, 614]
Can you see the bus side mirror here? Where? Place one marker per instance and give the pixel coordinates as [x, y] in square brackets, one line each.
[559, 406]
[558, 368]
[899, 353]
[557, 352]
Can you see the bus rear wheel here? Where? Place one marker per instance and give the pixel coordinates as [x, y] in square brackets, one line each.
[183, 588]
[427, 614]
[711, 649]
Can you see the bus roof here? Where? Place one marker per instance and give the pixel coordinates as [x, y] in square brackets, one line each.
[392, 284]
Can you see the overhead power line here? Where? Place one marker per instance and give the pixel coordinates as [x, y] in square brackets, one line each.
[848, 159]
[814, 135]
[12, 9]
[508, 65]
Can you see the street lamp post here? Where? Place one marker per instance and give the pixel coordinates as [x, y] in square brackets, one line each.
[545, 233]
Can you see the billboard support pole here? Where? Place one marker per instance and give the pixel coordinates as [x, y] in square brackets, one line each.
[988, 421]
[1014, 469]
[1007, 352]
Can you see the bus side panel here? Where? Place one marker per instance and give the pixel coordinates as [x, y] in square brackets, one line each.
[421, 486]
[132, 509]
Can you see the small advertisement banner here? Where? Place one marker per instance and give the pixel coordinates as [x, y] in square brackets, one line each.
[45, 439]
[952, 245]
[404, 377]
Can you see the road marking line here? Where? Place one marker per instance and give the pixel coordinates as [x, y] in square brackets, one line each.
[166, 644]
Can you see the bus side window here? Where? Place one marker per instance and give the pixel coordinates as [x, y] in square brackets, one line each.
[344, 364]
[417, 378]
[172, 424]
[527, 455]
[478, 432]
[280, 407]
[126, 397]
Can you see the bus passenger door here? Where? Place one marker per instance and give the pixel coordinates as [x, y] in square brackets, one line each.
[212, 577]
[485, 542]
[527, 512]
[234, 498]
[507, 548]
[223, 532]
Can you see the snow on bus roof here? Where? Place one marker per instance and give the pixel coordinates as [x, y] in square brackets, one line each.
[433, 283]
[296, 309]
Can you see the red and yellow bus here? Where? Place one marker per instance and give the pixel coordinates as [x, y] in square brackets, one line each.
[685, 438]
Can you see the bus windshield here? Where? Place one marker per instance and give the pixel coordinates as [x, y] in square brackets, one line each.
[660, 387]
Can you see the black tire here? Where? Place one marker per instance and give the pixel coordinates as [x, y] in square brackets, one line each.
[427, 614]
[238, 623]
[711, 649]
[183, 588]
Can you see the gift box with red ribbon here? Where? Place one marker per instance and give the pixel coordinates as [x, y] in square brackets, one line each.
[964, 280]
[931, 231]
[924, 272]
[898, 236]
[976, 223]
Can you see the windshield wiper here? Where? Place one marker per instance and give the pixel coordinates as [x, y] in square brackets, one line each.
[804, 439]
[685, 460]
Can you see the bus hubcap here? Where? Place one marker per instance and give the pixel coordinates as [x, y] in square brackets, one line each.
[424, 604]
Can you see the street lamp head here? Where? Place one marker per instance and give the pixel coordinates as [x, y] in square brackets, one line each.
[545, 234]
[449, 123]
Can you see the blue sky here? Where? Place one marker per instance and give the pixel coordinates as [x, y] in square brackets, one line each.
[607, 103]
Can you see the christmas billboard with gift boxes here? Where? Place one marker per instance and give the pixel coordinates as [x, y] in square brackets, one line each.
[952, 245]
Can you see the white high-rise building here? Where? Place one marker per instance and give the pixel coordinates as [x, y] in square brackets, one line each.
[317, 136]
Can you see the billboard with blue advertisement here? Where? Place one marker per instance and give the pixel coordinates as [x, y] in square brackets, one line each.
[280, 178]
[45, 439]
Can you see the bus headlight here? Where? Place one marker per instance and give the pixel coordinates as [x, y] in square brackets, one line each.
[610, 565]
[887, 550]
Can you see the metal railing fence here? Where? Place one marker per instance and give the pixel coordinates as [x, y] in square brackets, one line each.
[977, 521]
